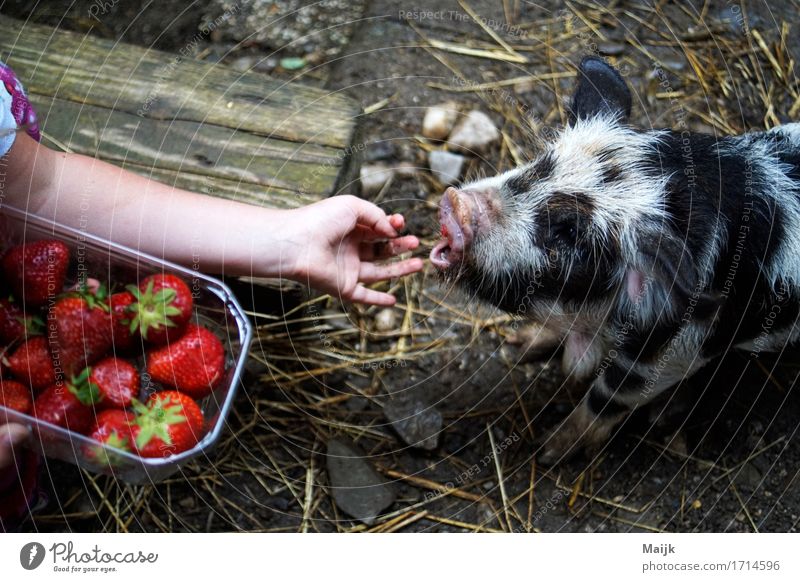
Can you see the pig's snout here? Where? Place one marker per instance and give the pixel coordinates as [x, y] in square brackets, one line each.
[462, 215]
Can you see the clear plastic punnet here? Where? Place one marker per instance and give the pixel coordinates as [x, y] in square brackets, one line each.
[215, 307]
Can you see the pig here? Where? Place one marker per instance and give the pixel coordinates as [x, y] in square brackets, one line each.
[650, 252]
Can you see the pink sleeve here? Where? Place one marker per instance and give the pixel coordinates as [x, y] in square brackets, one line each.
[16, 112]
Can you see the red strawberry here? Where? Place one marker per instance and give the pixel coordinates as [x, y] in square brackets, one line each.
[193, 364]
[169, 423]
[117, 380]
[112, 428]
[123, 338]
[14, 324]
[31, 363]
[163, 307]
[67, 406]
[15, 396]
[36, 271]
[80, 324]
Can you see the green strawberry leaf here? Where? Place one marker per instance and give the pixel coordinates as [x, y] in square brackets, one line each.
[138, 407]
[155, 419]
[152, 310]
[87, 392]
[34, 325]
[96, 299]
[117, 441]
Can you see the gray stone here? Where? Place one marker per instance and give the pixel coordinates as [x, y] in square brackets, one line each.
[611, 49]
[439, 120]
[356, 487]
[380, 151]
[374, 177]
[679, 445]
[244, 63]
[385, 320]
[474, 132]
[417, 423]
[188, 503]
[446, 166]
[748, 477]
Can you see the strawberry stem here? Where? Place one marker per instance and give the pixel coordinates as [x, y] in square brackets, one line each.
[93, 300]
[152, 310]
[155, 419]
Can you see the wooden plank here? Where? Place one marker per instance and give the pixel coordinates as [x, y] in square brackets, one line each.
[230, 189]
[204, 150]
[199, 126]
[160, 85]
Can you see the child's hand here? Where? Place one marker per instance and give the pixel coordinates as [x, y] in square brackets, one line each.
[333, 246]
[11, 435]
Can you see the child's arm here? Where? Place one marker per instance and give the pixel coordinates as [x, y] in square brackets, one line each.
[327, 245]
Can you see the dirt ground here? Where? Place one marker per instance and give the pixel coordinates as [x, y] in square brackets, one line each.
[720, 454]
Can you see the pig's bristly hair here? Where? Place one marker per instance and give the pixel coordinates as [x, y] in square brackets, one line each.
[596, 165]
[665, 204]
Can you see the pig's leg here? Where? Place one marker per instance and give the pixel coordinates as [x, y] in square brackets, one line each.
[613, 395]
[535, 340]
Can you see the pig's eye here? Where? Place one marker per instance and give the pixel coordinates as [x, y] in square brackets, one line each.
[565, 232]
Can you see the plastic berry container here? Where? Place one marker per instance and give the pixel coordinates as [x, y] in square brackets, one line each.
[215, 307]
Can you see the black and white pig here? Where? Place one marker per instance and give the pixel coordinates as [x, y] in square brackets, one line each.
[650, 252]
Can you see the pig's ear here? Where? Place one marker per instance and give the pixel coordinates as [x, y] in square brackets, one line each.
[600, 90]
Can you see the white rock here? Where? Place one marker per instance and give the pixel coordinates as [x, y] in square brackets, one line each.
[446, 166]
[405, 170]
[474, 132]
[385, 320]
[243, 64]
[439, 120]
[374, 177]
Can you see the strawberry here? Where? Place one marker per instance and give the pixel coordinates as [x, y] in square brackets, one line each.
[80, 323]
[67, 405]
[112, 428]
[163, 307]
[31, 363]
[121, 334]
[169, 423]
[193, 364]
[15, 396]
[37, 271]
[117, 381]
[14, 324]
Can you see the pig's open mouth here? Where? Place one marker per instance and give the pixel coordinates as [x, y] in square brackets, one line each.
[458, 221]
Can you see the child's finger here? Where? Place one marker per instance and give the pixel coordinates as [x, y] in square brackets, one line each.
[366, 233]
[397, 221]
[371, 297]
[11, 435]
[369, 215]
[373, 251]
[372, 273]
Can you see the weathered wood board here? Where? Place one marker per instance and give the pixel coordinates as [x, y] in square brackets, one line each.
[199, 126]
